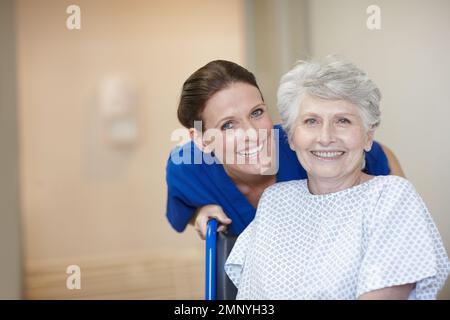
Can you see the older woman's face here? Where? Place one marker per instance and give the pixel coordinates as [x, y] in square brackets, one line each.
[240, 119]
[330, 137]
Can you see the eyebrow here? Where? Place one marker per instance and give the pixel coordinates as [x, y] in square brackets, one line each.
[231, 117]
[226, 118]
[308, 114]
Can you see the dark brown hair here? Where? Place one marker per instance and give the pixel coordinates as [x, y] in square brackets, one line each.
[204, 83]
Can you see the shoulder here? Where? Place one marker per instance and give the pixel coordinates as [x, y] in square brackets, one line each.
[176, 161]
[377, 161]
[283, 188]
[391, 188]
[376, 148]
[394, 197]
[184, 163]
[395, 185]
[402, 193]
[394, 164]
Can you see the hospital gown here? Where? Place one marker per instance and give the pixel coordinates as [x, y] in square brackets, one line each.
[340, 245]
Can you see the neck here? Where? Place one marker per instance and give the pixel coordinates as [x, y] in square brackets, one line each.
[319, 185]
[250, 180]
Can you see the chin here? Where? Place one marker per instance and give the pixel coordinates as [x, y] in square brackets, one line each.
[326, 173]
[250, 169]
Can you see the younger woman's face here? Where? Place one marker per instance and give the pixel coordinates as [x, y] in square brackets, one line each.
[238, 121]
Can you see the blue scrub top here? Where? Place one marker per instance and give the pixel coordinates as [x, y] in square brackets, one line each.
[193, 185]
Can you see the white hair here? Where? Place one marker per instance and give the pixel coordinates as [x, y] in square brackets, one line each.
[332, 79]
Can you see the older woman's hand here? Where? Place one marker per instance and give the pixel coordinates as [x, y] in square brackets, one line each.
[203, 214]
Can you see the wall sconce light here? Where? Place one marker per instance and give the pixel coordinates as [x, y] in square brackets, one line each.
[118, 112]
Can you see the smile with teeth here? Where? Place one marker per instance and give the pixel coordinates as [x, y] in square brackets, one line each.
[251, 152]
[328, 154]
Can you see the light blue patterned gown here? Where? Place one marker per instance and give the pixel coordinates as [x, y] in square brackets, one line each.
[338, 246]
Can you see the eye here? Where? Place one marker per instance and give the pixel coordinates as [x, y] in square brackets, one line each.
[343, 121]
[256, 113]
[227, 125]
[310, 121]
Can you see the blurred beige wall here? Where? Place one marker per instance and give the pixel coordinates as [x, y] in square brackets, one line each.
[277, 36]
[80, 196]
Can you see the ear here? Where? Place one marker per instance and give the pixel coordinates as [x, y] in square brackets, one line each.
[197, 138]
[369, 140]
[291, 145]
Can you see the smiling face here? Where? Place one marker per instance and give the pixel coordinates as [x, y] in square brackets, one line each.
[241, 120]
[329, 138]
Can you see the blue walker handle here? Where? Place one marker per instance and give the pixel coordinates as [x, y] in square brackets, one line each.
[210, 260]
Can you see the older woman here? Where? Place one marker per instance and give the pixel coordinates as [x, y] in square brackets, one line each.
[224, 98]
[342, 233]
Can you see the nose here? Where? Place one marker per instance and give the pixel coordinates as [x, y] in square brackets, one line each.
[247, 125]
[326, 135]
[250, 132]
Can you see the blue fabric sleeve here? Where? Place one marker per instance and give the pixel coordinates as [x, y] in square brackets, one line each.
[179, 208]
[376, 161]
[178, 212]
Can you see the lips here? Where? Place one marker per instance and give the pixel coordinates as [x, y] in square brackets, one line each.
[328, 155]
[251, 152]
